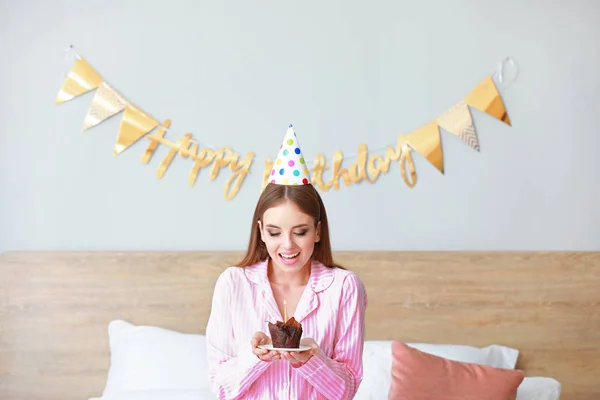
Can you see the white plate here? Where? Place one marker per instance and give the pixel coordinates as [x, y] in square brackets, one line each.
[279, 349]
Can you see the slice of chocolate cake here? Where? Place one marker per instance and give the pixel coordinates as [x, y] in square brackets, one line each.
[286, 335]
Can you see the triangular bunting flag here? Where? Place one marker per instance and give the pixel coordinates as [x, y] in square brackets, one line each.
[485, 97]
[134, 125]
[81, 79]
[106, 103]
[426, 141]
[458, 121]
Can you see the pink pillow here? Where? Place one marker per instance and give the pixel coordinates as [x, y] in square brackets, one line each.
[421, 376]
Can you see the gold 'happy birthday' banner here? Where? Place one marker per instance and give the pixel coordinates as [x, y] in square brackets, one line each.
[136, 124]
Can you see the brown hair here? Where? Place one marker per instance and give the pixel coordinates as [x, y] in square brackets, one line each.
[309, 201]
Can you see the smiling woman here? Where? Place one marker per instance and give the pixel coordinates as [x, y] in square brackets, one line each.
[289, 235]
[288, 269]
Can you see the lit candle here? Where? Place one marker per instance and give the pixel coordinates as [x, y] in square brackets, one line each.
[284, 311]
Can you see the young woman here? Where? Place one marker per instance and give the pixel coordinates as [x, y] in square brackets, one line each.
[288, 259]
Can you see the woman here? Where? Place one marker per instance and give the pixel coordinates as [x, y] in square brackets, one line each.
[288, 259]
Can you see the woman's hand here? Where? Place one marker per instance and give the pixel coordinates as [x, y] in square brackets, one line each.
[258, 339]
[297, 359]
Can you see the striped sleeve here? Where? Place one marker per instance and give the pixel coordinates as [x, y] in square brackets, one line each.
[231, 371]
[338, 377]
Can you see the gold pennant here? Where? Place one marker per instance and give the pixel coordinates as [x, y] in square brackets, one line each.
[106, 103]
[458, 121]
[485, 97]
[134, 125]
[81, 79]
[426, 141]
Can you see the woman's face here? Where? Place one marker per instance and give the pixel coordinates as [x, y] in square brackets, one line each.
[290, 236]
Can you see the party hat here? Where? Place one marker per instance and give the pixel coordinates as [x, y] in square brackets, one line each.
[290, 167]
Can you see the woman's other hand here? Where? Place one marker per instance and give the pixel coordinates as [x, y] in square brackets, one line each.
[258, 339]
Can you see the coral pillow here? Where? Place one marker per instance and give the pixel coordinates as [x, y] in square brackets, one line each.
[421, 376]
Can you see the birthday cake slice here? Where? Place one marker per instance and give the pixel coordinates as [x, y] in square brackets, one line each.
[286, 335]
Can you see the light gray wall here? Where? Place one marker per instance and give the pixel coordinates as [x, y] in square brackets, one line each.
[344, 73]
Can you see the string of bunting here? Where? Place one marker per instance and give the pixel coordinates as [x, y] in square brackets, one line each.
[136, 124]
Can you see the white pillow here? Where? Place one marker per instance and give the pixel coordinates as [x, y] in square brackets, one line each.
[149, 357]
[494, 355]
[377, 362]
[539, 388]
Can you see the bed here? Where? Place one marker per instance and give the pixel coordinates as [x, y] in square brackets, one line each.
[55, 308]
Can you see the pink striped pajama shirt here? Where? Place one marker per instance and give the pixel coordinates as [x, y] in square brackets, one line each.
[331, 311]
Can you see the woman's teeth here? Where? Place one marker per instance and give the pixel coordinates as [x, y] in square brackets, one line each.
[289, 256]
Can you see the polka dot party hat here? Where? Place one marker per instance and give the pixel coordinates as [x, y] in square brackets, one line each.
[290, 167]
